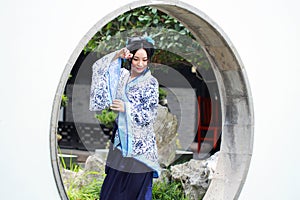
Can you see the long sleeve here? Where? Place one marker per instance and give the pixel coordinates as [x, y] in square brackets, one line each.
[105, 80]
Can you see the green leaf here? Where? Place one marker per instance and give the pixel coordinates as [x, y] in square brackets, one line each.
[147, 17]
[141, 18]
[136, 13]
[121, 18]
[122, 28]
[154, 10]
[128, 18]
[182, 32]
[168, 21]
[105, 39]
[109, 25]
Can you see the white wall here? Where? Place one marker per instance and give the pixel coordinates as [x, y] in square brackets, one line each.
[38, 37]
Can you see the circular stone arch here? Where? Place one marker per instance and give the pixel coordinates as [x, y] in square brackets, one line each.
[236, 100]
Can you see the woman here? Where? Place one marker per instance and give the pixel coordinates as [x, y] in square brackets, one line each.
[132, 160]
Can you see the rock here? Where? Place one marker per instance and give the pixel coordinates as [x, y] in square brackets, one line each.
[165, 128]
[195, 175]
[94, 169]
[71, 178]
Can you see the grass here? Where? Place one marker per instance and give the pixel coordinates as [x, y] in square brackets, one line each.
[168, 190]
[88, 191]
[81, 188]
[161, 190]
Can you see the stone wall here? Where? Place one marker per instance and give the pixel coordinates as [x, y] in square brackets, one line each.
[165, 129]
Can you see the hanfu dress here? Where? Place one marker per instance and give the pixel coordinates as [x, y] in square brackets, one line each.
[132, 161]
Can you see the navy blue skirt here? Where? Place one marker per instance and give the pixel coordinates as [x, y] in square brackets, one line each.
[126, 178]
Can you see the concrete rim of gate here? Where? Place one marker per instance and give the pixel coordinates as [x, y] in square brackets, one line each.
[236, 100]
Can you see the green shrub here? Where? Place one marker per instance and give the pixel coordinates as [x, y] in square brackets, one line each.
[64, 100]
[78, 190]
[162, 93]
[164, 190]
[107, 118]
[89, 191]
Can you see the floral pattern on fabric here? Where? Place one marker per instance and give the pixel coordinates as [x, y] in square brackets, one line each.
[99, 96]
[140, 97]
[144, 100]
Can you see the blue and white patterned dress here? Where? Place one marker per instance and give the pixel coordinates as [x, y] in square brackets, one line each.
[135, 135]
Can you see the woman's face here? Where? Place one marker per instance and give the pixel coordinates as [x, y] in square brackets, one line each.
[139, 62]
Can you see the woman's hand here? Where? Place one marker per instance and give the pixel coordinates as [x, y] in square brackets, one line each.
[124, 53]
[117, 105]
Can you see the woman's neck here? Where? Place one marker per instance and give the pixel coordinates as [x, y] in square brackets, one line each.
[133, 75]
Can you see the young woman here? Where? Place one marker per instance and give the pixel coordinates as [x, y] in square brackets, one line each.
[132, 160]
